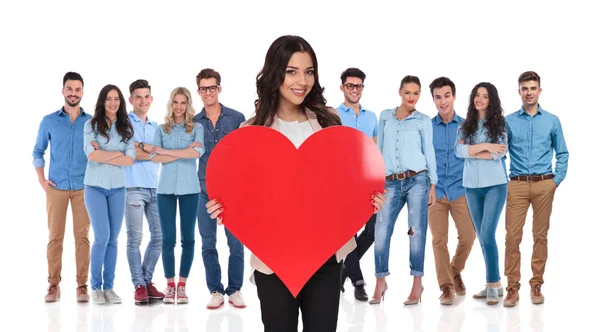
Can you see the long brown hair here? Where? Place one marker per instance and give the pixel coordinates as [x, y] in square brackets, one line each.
[272, 76]
[99, 123]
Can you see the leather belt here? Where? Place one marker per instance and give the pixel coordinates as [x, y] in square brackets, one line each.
[532, 178]
[403, 175]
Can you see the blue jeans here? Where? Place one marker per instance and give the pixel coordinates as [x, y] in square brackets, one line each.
[140, 201]
[413, 191]
[210, 256]
[485, 206]
[105, 208]
[167, 210]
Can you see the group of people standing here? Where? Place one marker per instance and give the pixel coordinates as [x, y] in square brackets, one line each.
[106, 165]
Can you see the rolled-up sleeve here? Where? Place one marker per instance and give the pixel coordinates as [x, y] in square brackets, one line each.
[130, 149]
[88, 137]
[504, 141]
[41, 144]
[157, 139]
[461, 150]
[199, 137]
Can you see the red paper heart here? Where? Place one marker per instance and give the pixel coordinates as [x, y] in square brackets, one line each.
[294, 208]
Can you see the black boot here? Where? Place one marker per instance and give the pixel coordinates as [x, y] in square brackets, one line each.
[360, 294]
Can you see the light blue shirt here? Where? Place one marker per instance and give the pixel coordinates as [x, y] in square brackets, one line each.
[531, 141]
[179, 177]
[67, 160]
[480, 173]
[366, 121]
[143, 173]
[104, 175]
[449, 166]
[407, 144]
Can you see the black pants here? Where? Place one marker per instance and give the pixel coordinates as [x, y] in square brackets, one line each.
[363, 243]
[319, 301]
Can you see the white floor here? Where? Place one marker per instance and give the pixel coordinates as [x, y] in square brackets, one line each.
[569, 279]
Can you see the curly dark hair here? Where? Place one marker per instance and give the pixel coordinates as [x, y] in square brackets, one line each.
[495, 123]
[99, 123]
[272, 76]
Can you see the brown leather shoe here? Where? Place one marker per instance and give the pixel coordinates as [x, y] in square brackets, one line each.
[512, 298]
[459, 286]
[53, 293]
[82, 294]
[536, 294]
[447, 297]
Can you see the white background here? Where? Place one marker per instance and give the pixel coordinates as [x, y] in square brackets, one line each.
[168, 44]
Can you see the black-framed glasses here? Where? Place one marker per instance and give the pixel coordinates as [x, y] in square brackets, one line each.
[351, 86]
[211, 88]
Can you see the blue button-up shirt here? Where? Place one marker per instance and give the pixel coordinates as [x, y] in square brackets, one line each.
[228, 121]
[105, 175]
[480, 173]
[179, 177]
[143, 173]
[531, 141]
[67, 159]
[366, 121]
[407, 144]
[449, 167]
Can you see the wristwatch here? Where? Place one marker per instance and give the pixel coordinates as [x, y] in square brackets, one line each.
[141, 146]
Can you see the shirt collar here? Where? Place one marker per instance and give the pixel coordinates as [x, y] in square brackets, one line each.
[345, 108]
[224, 111]
[540, 110]
[61, 111]
[438, 118]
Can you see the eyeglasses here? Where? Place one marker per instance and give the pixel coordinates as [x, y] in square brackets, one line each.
[351, 86]
[211, 88]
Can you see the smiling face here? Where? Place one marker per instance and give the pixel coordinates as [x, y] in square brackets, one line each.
[141, 99]
[299, 79]
[352, 89]
[73, 91]
[482, 100]
[111, 104]
[444, 99]
[180, 103]
[530, 93]
[410, 92]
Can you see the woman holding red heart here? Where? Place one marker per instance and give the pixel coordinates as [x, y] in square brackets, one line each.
[290, 100]
[406, 142]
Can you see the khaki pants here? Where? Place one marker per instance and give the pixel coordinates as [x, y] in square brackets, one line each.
[57, 202]
[521, 194]
[438, 223]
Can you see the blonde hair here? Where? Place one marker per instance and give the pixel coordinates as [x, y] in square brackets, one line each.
[189, 113]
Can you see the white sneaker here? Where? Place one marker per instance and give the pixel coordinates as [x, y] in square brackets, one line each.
[98, 296]
[111, 296]
[237, 300]
[216, 300]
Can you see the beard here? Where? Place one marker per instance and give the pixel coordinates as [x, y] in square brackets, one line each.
[74, 103]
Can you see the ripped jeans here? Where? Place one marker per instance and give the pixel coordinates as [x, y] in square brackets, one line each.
[413, 191]
[142, 201]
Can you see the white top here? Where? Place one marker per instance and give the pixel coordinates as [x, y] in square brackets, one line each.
[295, 131]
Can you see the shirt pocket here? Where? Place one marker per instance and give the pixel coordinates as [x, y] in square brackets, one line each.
[410, 135]
[167, 142]
[185, 140]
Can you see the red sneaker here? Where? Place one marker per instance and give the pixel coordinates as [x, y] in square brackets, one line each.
[169, 295]
[153, 293]
[141, 295]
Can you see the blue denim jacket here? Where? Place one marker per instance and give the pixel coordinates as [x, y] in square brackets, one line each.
[104, 175]
[407, 144]
[179, 177]
[480, 173]
[67, 159]
[532, 141]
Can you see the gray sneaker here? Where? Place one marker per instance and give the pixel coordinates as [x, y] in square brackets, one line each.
[492, 295]
[98, 296]
[111, 296]
[483, 293]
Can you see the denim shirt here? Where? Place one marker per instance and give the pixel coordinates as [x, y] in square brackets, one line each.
[179, 177]
[67, 159]
[366, 121]
[449, 166]
[532, 141]
[480, 173]
[228, 121]
[143, 173]
[105, 175]
[407, 144]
